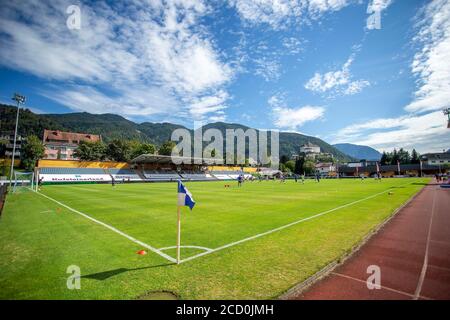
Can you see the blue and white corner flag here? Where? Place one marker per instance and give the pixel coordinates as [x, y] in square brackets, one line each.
[184, 196]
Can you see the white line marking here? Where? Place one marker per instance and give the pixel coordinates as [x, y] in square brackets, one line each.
[193, 247]
[365, 282]
[425, 260]
[208, 250]
[162, 254]
[383, 287]
[288, 225]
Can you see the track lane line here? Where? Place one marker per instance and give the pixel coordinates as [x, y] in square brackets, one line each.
[425, 259]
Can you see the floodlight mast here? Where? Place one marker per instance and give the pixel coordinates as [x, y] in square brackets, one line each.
[447, 113]
[19, 99]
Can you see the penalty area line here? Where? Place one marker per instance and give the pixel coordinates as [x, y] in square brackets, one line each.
[123, 234]
[289, 225]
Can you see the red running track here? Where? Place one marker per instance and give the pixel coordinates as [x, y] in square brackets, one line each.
[412, 251]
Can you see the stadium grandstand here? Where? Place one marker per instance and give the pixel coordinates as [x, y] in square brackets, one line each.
[144, 168]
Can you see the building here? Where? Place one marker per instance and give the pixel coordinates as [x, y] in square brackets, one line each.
[325, 168]
[361, 163]
[7, 151]
[61, 145]
[357, 164]
[413, 170]
[310, 148]
[436, 159]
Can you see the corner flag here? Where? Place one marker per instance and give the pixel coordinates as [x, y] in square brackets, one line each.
[184, 196]
[184, 199]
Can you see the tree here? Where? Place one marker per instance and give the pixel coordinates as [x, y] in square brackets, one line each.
[166, 148]
[290, 165]
[298, 169]
[31, 151]
[309, 167]
[415, 156]
[324, 158]
[90, 151]
[384, 159]
[119, 150]
[395, 157]
[138, 148]
[403, 156]
[284, 159]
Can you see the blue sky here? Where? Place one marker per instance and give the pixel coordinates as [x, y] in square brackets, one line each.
[319, 67]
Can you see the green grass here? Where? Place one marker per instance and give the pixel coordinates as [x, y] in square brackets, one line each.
[39, 239]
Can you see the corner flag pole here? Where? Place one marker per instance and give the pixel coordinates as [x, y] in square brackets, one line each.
[178, 234]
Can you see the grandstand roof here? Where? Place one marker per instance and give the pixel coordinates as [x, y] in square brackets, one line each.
[153, 158]
[436, 156]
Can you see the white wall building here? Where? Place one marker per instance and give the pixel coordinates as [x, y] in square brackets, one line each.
[310, 148]
[325, 168]
[436, 159]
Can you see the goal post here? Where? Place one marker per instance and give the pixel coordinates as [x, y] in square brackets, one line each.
[23, 181]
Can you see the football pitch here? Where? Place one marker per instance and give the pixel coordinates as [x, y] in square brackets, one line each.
[253, 242]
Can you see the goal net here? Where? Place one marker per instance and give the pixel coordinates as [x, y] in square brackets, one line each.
[23, 181]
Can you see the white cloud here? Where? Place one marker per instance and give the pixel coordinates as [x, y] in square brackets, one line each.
[268, 69]
[128, 102]
[355, 87]
[426, 133]
[292, 118]
[209, 104]
[431, 63]
[158, 48]
[293, 45]
[218, 117]
[338, 82]
[278, 13]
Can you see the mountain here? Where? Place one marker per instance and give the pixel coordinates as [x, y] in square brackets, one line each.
[111, 126]
[358, 152]
[290, 142]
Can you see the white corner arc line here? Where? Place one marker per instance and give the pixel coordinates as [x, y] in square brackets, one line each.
[162, 254]
[288, 225]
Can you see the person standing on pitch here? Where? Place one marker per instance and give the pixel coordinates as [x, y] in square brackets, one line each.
[113, 182]
[239, 180]
[40, 183]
